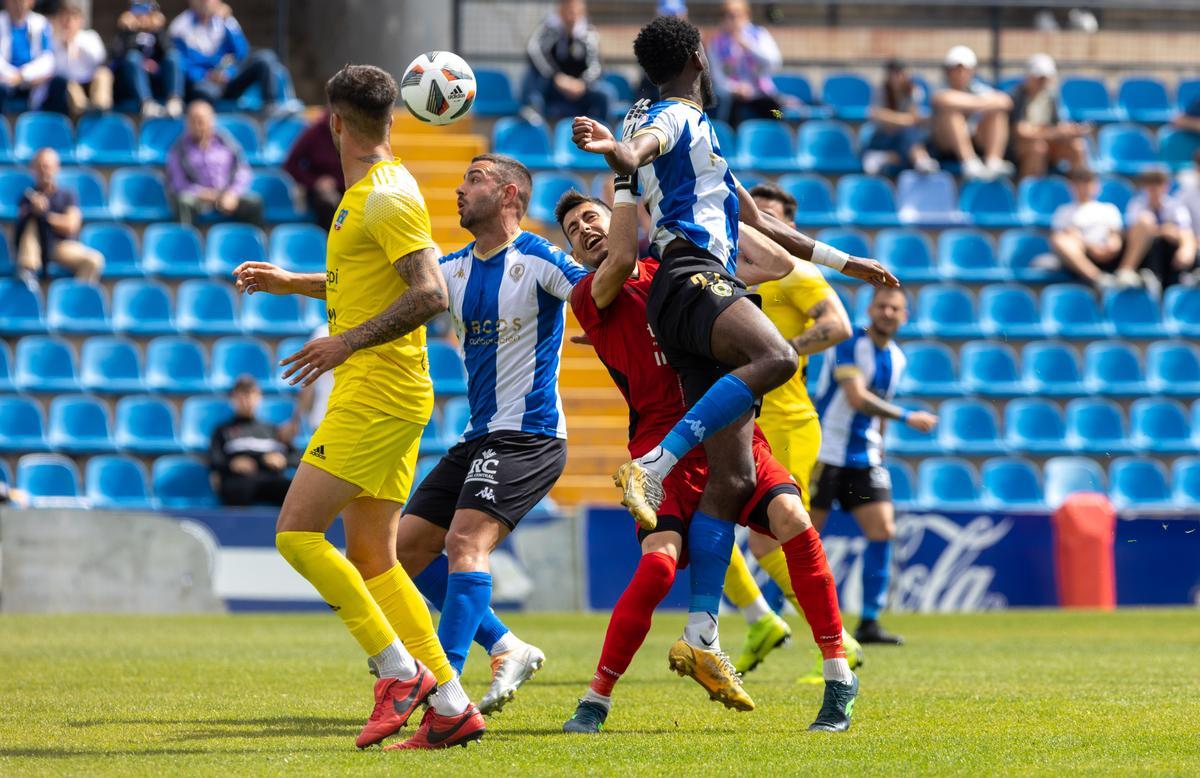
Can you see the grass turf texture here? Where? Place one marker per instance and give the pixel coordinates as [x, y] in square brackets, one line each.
[997, 693]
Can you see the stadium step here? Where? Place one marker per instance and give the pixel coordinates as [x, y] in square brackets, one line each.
[587, 490]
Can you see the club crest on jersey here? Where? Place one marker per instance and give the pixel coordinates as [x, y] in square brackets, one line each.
[516, 271]
[341, 219]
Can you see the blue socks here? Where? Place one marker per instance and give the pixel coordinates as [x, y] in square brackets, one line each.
[468, 596]
[876, 573]
[725, 402]
[432, 584]
[710, 544]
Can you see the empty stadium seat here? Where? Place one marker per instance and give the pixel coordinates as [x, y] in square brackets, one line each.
[827, 147]
[278, 193]
[284, 349]
[797, 85]
[6, 261]
[281, 134]
[969, 427]
[155, 138]
[315, 313]
[866, 201]
[77, 307]
[434, 441]
[991, 369]
[528, 142]
[118, 244]
[904, 440]
[173, 251]
[138, 195]
[182, 482]
[6, 142]
[849, 94]
[22, 427]
[1181, 308]
[199, 416]
[447, 369]
[766, 144]
[110, 365]
[88, 187]
[1115, 190]
[244, 132]
[176, 365]
[36, 130]
[989, 203]
[456, 413]
[1144, 100]
[1113, 369]
[493, 94]
[1087, 100]
[1038, 198]
[568, 155]
[814, 199]
[233, 356]
[968, 255]
[1011, 483]
[907, 253]
[1178, 148]
[726, 139]
[1185, 482]
[6, 359]
[1138, 483]
[145, 425]
[947, 483]
[1096, 426]
[1160, 427]
[1052, 369]
[547, 189]
[300, 247]
[50, 480]
[1018, 251]
[44, 364]
[1035, 426]
[142, 308]
[20, 308]
[1173, 367]
[851, 241]
[1070, 311]
[903, 484]
[277, 410]
[1071, 475]
[928, 199]
[106, 139]
[1009, 311]
[1127, 149]
[272, 315]
[930, 371]
[229, 245]
[1134, 313]
[946, 311]
[206, 308]
[13, 184]
[115, 482]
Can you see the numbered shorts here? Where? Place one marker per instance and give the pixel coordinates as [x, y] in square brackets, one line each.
[795, 445]
[368, 448]
[851, 487]
[503, 474]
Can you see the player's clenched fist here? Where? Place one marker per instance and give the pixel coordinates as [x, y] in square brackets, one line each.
[254, 277]
[592, 136]
[870, 271]
[318, 356]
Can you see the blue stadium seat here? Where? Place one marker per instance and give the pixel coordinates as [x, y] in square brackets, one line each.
[142, 308]
[156, 137]
[1181, 308]
[51, 480]
[281, 135]
[182, 482]
[244, 131]
[13, 184]
[1144, 100]
[849, 240]
[904, 440]
[425, 466]
[1178, 148]
[1010, 311]
[931, 371]
[456, 413]
[1052, 369]
[6, 142]
[1127, 149]
[766, 144]
[1138, 483]
[299, 247]
[928, 199]
[1160, 427]
[1185, 480]
[907, 253]
[88, 187]
[118, 244]
[38, 130]
[272, 315]
[1173, 367]
[1116, 190]
[1018, 251]
[176, 365]
[1096, 426]
[903, 481]
[1035, 426]
[1071, 475]
[990, 369]
[946, 311]
[22, 426]
[77, 307]
[1187, 91]
[569, 156]
[229, 245]
[814, 199]
[1087, 100]
[6, 359]
[284, 349]
[866, 201]
[106, 139]
[1011, 483]
[493, 94]
[968, 255]
[116, 482]
[277, 190]
[528, 142]
[20, 309]
[849, 94]
[1113, 369]
[233, 356]
[145, 425]
[989, 203]
[447, 369]
[78, 424]
[947, 483]
[315, 314]
[44, 364]
[172, 251]
[200, 415]
[6, 262]
[1134, 313]
[110, 365]
[727, 140]
[547, 189]
[969, 427]
[206, 308]
[827, 147]
[1038, 198]
[434, 440]
[797, 85]
[277, 410]
[138, 195]
[1070, 311]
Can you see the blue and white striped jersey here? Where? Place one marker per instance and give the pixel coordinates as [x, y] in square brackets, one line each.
[849, 438]
[508, 309]
[689, 189]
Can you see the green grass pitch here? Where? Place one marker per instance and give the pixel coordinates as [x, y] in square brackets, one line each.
[1019, 692]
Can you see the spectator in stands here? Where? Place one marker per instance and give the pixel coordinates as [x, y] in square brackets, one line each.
[314, 164]
[217, 61]
[26, 55]
[564, 65]
[1038, 135]
[899, 132]
[248, 457]
[82, 80]
[743, 56]
[48, 222]
[207, 171]
[970, 119]
[148, 70]
[1086, 234]
[1160, 239]
[12, 496]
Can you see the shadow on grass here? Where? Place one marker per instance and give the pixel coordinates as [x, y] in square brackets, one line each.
[57, 752]
[503, 734]
[212, 728]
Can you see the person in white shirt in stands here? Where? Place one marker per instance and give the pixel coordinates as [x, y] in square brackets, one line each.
[1086, 234]
[26, 55]
[1160, 244]
[82, 80]
[970, 119]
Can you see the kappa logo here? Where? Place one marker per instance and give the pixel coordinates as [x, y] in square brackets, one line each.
[484, 467]
[318, 452]
[697, 428]
[486, 493]
[460, 274]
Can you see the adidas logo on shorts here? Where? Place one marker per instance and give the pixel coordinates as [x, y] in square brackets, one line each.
[318, 452]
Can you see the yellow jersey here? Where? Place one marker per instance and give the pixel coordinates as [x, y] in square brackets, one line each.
[786, 303]
[381, 218]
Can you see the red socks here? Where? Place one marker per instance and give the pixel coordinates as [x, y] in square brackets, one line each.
[816, 591]
[631, 618]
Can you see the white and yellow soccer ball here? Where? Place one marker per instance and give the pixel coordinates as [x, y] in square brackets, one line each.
[438, 87]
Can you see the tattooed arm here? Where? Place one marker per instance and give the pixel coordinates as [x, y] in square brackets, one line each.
[830, 327]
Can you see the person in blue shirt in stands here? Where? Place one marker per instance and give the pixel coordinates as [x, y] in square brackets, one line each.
[217, 61]
[26, 55]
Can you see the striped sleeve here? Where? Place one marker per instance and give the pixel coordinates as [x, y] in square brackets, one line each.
[665, 123]
[845, 362]
[557, 272]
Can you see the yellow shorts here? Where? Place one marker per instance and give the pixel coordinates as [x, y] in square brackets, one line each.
[368, 448]
[795, 445]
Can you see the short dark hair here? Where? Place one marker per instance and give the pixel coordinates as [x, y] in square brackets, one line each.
[1082, 174]
[882, 290]
[572, 199]
[778, 194]
[245, 383]
[511, 171]
[1154, 175]
[364, 96]
[664, 46]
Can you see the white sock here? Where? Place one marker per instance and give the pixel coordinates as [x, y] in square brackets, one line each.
[599, 699]
[701, 631]
[449, 699]
[394, 662]
[756, 610]
[658, 461]
[507, 642]
[837, 670]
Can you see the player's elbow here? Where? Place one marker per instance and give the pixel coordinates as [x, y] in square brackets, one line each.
[840, 328]
[436, 299]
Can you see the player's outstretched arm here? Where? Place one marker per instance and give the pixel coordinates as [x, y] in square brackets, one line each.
[865, 401]
[623, 156]
[761, 259]
[622, 246]
[251, 277]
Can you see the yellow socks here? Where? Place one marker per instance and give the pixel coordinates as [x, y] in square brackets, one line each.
[776, 566]
[740, 587]
[406, 611]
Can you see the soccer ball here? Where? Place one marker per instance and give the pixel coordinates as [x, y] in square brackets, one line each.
[438, 87]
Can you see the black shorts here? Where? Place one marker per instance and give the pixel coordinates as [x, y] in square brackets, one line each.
[503, 474]
[851, 487]
[688, 293]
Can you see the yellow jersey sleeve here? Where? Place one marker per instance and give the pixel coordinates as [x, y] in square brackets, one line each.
[397, 220]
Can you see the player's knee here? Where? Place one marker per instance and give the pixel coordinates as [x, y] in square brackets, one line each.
[778, 366]
[733, 487]
[465, 549]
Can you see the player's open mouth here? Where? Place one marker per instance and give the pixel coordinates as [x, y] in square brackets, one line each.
[593, 242]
